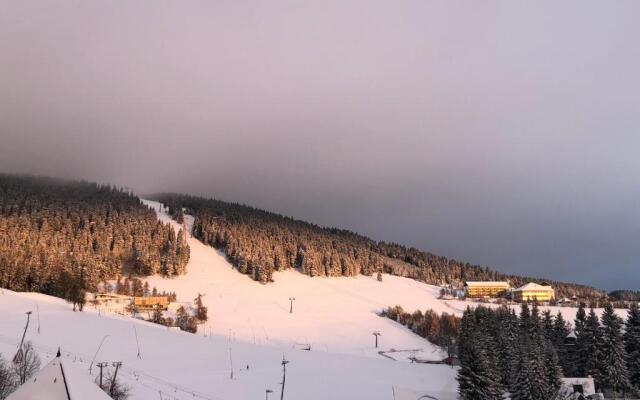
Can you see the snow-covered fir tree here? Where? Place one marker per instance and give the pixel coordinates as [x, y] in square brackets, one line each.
[632, 345]
[507, 343]
[581, 319]
[613, 357]
[561, 329]
[477, 377]
[587, 346]
[593, 333]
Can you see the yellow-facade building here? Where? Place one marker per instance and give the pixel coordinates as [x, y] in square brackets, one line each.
[533, 292]
[479, 289]
[150, 303]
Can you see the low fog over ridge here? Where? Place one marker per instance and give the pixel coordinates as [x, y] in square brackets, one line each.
[499, 134]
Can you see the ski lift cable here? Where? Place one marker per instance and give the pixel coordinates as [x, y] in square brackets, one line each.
[192, 393]
[184, 389]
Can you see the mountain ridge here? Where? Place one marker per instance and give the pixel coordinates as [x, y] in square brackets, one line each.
[258, 242]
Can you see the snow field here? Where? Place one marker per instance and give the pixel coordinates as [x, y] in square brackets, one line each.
[178, 365]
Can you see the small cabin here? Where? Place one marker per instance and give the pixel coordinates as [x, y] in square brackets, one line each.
[150, 303]
[111, 302]
[578, 386]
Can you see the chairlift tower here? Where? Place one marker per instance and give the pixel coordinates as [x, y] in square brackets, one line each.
[291, 299]
[376, 334]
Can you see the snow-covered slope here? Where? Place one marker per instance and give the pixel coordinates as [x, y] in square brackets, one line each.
[249, 332]
[330, 314]
[178, 365]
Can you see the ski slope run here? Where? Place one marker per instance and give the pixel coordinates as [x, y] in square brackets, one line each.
[238, 353]
[335, 315]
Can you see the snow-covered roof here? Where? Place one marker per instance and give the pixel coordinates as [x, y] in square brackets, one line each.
[588, 387]
[58, 382]
[532, 286]
[487, 283]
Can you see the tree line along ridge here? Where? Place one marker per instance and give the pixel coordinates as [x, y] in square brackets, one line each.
[59, 236]
[258, 243]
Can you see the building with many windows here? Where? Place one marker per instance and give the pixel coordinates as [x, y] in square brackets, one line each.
[533, 292]
[479, 289]
[150, 303]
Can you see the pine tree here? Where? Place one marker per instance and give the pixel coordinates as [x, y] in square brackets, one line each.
[525, 319]
[507, 344]
[138, 289]
[632, 345]
[547, 325]
[179, 215]
[477, 378]
[553, 370]
[561, 330]
[588, 347]
[156, 317]
[126, 287]
[581, 319]
[538, 358]
[119, 287]
[182, 318]
[537, 370]
[201, 310]
[521, 387]
[613, 368]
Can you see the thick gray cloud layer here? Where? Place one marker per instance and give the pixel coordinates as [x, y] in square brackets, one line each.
[502, 133]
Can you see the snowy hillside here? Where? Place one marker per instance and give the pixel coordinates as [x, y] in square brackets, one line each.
[185, 366]
[238, 353]
[330, 314]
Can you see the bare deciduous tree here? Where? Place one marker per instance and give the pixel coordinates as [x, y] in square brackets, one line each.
[115, 388]
[25, 366]
[7, 379]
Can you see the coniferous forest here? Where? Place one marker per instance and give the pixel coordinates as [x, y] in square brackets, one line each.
[63, 237]
[440, 329]
[258, 243]
[526, 355]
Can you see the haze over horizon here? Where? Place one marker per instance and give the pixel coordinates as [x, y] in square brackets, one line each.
[497, 133]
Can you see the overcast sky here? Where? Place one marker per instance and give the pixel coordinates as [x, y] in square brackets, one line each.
[500, 133]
